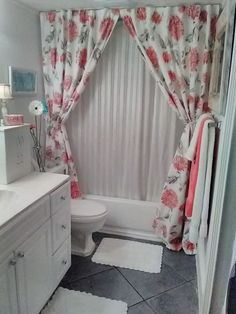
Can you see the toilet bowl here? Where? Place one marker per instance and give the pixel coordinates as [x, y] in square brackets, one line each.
[86, 217]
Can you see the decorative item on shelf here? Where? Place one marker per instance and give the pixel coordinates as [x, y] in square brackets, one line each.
[5, 95]
[37, 108]
[13, 119]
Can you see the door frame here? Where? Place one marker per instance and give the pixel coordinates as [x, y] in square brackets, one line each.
[212, 301]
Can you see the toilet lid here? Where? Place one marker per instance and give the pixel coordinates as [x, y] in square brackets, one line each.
[86, 208]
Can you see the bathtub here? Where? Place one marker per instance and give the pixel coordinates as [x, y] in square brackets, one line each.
[128, 217]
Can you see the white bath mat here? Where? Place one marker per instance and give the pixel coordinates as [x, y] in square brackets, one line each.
[129, 254]
[67, 301]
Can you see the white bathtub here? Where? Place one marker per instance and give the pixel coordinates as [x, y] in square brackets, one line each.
[128, 217]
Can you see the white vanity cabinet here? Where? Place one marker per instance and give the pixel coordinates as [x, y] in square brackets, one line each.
[34, 271]
[35, 253]
[8, 297]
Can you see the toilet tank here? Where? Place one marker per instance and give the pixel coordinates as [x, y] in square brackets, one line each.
[15, 153]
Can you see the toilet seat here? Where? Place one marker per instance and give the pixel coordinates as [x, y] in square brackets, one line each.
[86, 210]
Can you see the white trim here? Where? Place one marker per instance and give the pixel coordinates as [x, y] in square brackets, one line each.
[220, 187]
[66, 5]
[136, 234]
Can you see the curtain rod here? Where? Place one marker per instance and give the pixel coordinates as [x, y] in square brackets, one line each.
[133, 7]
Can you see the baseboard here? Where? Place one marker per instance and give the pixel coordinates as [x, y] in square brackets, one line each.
[136, 234]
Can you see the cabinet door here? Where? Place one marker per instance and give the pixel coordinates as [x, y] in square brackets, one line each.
[34, 271]
[8, 299]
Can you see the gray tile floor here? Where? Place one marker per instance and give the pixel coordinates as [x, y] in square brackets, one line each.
[171, 291]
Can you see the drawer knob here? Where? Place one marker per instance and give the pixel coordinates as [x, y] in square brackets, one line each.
[64, 262]
[21, 254]
[12, 262]
[63, 227]
[63, 198]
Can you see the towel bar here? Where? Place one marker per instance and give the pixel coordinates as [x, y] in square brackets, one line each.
[214, 124]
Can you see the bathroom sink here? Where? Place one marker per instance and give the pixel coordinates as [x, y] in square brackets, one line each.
[7, 198]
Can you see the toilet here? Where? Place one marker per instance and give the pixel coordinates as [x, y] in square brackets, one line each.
[86, 217]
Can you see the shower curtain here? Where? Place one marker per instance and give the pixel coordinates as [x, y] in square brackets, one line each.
[177, 45]
[72, 43]
[119, 135]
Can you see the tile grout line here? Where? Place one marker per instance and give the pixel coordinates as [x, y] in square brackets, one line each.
[145, 303]
[130, 284]
[158, 295]
[78, 279]
[186, 280]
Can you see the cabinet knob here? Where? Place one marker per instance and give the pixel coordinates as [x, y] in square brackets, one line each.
[12, 262]
[21, 254]
[63, 227]
[64, 262]
[63, 198]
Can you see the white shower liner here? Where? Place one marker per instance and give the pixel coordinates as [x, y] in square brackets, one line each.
[126, 217]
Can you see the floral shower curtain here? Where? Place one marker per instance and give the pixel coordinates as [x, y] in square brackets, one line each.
[72, 43]
[177, 45]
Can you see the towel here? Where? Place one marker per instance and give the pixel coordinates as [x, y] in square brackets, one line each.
[193, 154]
[202, 190]
[205, 208]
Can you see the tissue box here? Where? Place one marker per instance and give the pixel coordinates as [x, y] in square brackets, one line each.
[13, 119]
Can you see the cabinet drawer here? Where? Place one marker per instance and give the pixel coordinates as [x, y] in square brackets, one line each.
[61, 228]
[61, 261]
[60, 198]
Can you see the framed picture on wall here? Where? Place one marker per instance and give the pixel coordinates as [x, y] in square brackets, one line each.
[23, 82]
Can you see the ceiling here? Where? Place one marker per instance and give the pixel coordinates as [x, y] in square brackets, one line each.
[46, 5]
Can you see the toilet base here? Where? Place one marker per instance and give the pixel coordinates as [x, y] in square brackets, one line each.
[82, 244]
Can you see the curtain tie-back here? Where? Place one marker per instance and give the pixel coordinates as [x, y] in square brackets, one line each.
[191, 123]
[57, 124]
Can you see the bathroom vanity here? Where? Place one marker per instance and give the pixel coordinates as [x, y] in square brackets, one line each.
[35, 240]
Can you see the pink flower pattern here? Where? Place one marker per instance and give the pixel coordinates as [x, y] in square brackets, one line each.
[129, 24]
[53, 57]
[65, 49]
[84, 17]
[169, 198]
[141, 13]
[67, 82]
[106, 27]
[51, 17]
[203, 16]
[72, 30]
[193, 11]
[213, 26]
[152, 56]
[156, 18]
[176, 27]
[194, 59]
[166, 56]
[179, 43]
[172, 76]
[180, 163]
[83, 58]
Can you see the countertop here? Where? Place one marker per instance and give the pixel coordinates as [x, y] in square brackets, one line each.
[25, 192]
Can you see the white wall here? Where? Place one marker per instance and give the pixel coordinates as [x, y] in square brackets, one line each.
[19, 46]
